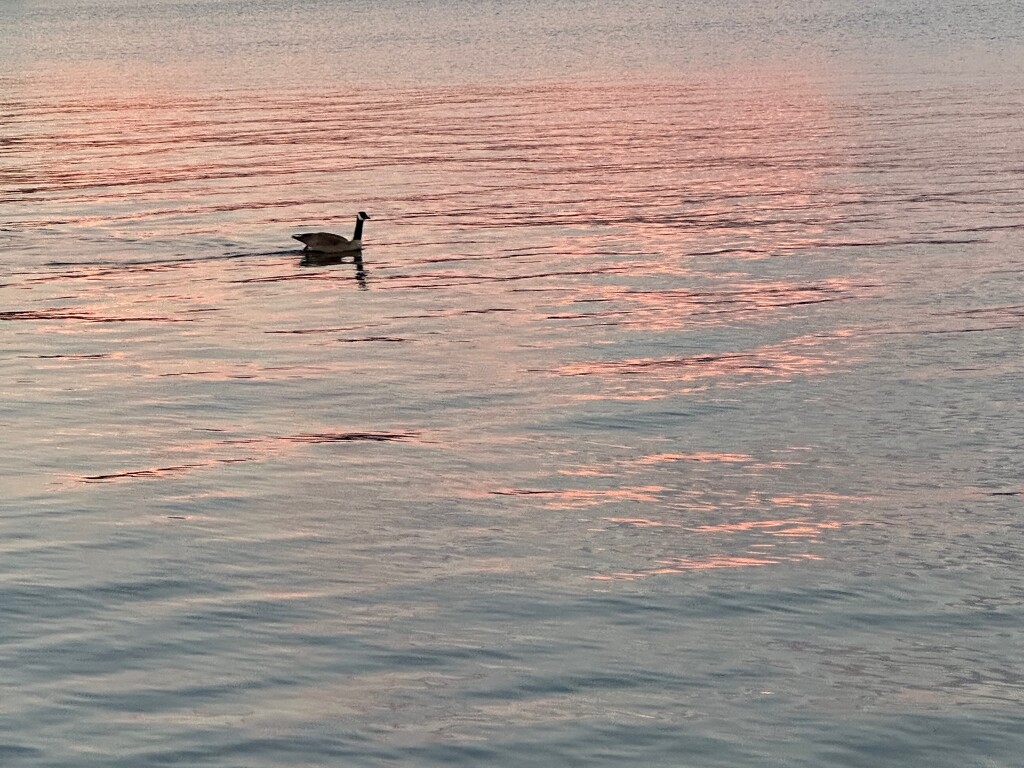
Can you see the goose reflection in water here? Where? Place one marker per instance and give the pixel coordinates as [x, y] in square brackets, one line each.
[314, 259]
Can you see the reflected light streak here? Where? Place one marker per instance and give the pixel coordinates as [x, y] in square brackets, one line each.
[702, 457]
[728, 458]
[786, 528]
[662, 310]
[578, 498]
[640, 522]
[681, 565]
[747, 183]
[812, 500]
[800, 356]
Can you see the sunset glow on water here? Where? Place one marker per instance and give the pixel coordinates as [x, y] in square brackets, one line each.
[669, 415]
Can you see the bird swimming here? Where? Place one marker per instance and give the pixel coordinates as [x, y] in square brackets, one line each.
[325, 242]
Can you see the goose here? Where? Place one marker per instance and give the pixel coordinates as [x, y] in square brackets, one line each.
[325, 242]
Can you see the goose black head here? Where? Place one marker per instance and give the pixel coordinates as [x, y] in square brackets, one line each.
[364, 215]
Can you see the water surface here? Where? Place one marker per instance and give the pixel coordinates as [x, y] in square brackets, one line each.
[670, 416]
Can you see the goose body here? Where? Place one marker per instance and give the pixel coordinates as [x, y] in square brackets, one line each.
[325, 242]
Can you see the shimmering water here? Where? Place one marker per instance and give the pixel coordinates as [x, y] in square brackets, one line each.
[670, 417]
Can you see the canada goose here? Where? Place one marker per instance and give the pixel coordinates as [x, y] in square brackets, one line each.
[325, 242]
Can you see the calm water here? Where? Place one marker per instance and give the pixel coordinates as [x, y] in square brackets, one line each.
[671, 417]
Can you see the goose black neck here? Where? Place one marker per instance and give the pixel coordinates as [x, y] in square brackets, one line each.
[359, 229]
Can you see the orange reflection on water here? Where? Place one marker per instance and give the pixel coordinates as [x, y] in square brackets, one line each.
[788, 528]
[728, 458]
[811, 500]
[800, 356]
[640, 522]
[584, 472]
[578, 498]
[709, 457]
[679, 565]
[682, 564]
[624, 394]
[672, 309]
[732, 165]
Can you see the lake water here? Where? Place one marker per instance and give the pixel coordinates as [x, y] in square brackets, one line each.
[671, 416]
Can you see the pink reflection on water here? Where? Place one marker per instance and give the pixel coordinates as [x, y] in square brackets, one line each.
[640, 522]
[787, 528]
[585, 472]
[707, 457]
[673, 309]
[681, 565]
[813, 355]
[811, 500]
[579, 498]
[729, 458]
[740, 461]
